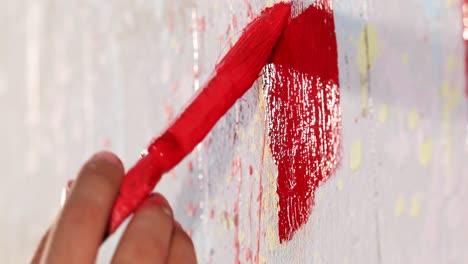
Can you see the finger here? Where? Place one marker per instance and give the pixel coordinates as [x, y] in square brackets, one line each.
[40, 248]
[182, 250]
[148, 235]
[81, 225]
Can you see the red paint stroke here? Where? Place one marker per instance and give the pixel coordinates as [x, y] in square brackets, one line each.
[465, 39]
[304, 113]
[232, 77]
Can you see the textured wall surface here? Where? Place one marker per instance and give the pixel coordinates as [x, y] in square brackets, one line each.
[80, 76]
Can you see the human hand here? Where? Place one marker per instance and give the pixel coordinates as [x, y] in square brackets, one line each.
[152, 236]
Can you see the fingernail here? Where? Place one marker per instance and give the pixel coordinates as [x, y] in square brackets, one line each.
[159, 200]
[63, 196]
[69, 185]
[65, 192]
[110, 157]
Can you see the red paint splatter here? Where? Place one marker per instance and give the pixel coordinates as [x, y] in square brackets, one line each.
[201, 24]
[248, 254]
[107, 143]
[233, 21]
[304, 113]
[232, 77]
[260, 198]
[190, 166]
[212, 213]
[192, 209]
[168, 111]
[236, 167]
[250, 170]
[465, 39]
[249, 9]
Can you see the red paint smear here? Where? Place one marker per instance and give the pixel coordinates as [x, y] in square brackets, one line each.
[250, 170]
[304, 113]
[465, 39]
[232, 77]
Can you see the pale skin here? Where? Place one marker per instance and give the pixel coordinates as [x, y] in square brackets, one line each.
[152, 236]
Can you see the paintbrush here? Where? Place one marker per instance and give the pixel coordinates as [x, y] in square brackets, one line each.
[232, 77]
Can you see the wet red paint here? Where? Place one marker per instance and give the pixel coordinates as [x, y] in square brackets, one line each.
[232, 77]
[250, 170]
[304, 113]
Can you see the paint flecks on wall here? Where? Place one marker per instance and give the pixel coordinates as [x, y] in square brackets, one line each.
[356, 156]
[405, 59]
[399, 205]
[339, 185]
[415, 208]
[366, 55]
[413, 119]
[426, 149]
[304, 117]
[383, 113]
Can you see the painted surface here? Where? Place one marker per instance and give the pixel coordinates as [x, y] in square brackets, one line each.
[78, 76]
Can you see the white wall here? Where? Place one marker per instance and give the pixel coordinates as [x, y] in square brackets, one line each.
[79, 76]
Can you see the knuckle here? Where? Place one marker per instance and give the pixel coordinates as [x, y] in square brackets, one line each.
[143, 250]
[185, 239]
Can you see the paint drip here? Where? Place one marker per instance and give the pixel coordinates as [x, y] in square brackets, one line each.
[303, 112]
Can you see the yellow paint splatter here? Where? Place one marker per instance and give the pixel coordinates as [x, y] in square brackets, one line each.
[399, 206]
[413, 119]
[241, 236]
[315, 255]
[405, 59]
[345, 260]
[271, 238]
[356, 155]
[251, 131]
[415, 206]
[241, 133]
[451, 61]
[451, 98]
[383, 113]
[366, 55]
[426, 150]
[173, 42]
[253, 148]
[339, 185]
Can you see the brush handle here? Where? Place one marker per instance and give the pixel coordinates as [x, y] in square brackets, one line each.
[233, 76]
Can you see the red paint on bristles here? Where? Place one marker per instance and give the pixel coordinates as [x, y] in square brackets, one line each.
[232, 77]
